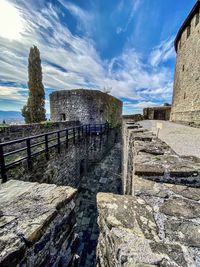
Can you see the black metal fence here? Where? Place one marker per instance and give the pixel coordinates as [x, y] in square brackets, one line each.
[14, 152]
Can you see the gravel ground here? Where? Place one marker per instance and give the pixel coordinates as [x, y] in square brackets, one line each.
[184, 140]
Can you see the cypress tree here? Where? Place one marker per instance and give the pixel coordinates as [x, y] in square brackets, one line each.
[34, 111]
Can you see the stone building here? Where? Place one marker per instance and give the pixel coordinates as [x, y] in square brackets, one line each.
[186, 96]
[85, 106]
[157, 113]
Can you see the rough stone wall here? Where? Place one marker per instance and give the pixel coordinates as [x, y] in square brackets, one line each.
[37, 224]
[186, 96]
[85, 106]
[157, 224]
[14, 132]
[68, 166]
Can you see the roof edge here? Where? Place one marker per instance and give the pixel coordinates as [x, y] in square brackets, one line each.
[186, 23]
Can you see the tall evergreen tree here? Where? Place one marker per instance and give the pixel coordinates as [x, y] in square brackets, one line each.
[34, 111]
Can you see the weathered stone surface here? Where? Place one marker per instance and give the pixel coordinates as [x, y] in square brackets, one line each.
[130, 234]
[79, 104]
[162, 225]
[186, 105]
[181, 208]
[31, 215]
[104, 177]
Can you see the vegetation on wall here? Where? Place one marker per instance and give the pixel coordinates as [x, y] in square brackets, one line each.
[34, 111]
[112, 112]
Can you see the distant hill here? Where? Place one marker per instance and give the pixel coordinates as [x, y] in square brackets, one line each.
[13, 117]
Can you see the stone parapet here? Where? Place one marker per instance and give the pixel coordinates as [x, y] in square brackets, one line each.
[14, 132]
[157, 222]
[158, 226]
[36, 224]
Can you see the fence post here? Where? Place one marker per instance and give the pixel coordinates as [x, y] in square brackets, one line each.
[89, 130]
[101, 129]
[58, 137]
[46, 147]
[2, 164]
[67, 138]
[29, 161]
[82, 130]
[74, 136]
[79, 133]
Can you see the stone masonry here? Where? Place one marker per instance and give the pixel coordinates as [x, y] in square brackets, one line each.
[37, 223]
[85, 106]
[104, 178]
[186, 96]
[158, 222]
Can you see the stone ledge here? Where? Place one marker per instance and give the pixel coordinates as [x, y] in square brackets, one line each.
[149, 229]
[155, 160]
[29, 213]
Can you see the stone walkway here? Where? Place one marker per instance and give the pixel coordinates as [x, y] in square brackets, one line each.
[184, 140]
[105, 177]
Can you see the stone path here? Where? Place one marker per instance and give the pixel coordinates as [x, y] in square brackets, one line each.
[184, 140]
[105, 177]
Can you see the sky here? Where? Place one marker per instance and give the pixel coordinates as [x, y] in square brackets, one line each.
[125, 47]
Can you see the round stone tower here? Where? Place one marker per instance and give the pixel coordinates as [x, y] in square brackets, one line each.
[186, 95]
[86, 106]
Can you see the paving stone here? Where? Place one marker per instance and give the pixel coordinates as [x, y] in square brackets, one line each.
[104, 177]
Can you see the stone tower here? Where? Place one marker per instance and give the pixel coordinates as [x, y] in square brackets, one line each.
[186, 95]
[85, 106]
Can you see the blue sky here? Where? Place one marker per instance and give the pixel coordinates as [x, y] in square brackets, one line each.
[124, 46]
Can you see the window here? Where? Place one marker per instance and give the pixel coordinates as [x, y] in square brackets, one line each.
[184, 96]
[197, 19]
[188, 31]
[183, 67]
[63, 117]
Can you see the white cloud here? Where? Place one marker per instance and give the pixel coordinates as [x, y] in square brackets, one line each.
[11, 23]
[162, 52]
[12, 93]
[134, 7]
[69, 61]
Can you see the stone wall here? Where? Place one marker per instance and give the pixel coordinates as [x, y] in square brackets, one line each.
[85, 106]
[186, 96]
[13, 132]
[37, 224]
[157, 223]
[68, 166]
[157, 113]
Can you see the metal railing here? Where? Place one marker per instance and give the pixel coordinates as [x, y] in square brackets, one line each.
[30, 147]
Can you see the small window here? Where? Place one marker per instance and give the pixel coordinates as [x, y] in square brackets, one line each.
[188, 31]
[197, 19]
[184, 96]
[63, 117]
[183, 67]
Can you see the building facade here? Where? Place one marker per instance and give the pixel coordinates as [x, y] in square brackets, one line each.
[157, 113]
[186, 95]
[85, 106]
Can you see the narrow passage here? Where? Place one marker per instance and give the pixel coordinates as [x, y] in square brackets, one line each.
[105, 177]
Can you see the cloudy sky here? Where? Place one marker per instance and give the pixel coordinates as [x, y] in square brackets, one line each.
[124, 46]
